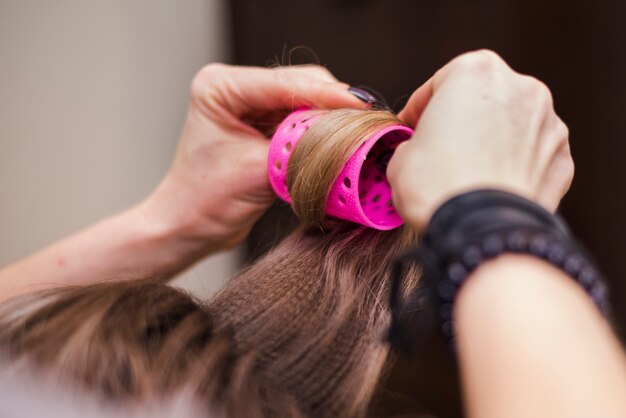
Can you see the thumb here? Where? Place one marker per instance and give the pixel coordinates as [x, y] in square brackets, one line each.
[417, 103]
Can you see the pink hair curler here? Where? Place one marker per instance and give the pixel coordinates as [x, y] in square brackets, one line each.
[361, 193]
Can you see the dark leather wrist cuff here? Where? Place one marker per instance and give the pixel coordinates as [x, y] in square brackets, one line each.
[466, 216]
[468, 230]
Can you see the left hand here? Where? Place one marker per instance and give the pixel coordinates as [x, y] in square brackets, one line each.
[482, 125]
[217, 186]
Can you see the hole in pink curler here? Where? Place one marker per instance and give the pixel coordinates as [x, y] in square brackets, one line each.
[288, 146]
[347, 182]
[382, 159]
[341, 199]
[278, 164]
[373, 188]
[293, 126]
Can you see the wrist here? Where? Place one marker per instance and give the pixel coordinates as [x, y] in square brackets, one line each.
[174, 240]
[509, 288]
[476, 228]
[500, 281]
[421, 216]
[172, 213]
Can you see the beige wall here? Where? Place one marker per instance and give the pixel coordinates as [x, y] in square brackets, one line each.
[92, 97]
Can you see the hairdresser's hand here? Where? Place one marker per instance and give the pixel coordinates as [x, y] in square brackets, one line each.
[215, 190]
[217, 186]
[481, 125]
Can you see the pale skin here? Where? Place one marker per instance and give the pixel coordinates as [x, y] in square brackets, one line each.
[531, 344]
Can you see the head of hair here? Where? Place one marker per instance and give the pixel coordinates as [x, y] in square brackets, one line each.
[136, 341]
[301, 332]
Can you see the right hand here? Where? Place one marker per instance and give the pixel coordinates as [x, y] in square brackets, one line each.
[218, 186]
[481, 125]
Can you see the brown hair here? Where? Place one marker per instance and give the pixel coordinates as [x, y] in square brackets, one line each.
[136, 341]
[316, 308]
[301, 331]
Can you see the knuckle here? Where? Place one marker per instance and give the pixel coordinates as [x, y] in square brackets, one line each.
[566, 167]
[539, 90]
[566, 175]
[570, 169]
[214, 69]
[328, 75]
[544, 94]
[318, 71]
[488, 55]
[322, 70]
[481, 60]
[563, 130]
[209, 74]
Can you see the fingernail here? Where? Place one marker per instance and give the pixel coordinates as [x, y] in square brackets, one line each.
[362, 95]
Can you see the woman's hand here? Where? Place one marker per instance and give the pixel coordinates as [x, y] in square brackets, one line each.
[479, 125]
[217, 186]
[215, 190]
[529, 338]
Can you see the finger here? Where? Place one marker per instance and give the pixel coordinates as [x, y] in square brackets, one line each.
[242, 90]
[417, 103]
[474, 61]
[315, 71]
[421, 97]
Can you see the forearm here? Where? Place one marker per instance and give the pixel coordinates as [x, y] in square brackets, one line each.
[532, 344]
[130, 245]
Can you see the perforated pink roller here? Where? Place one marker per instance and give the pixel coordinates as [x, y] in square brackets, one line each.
[361, 193]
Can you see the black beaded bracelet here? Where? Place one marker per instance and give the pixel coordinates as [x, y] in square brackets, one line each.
[466, 231]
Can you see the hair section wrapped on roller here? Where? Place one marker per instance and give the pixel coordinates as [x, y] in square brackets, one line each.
[135, 343]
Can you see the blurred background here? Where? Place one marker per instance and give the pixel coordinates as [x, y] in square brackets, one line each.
[92, 98]
[93, 94]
